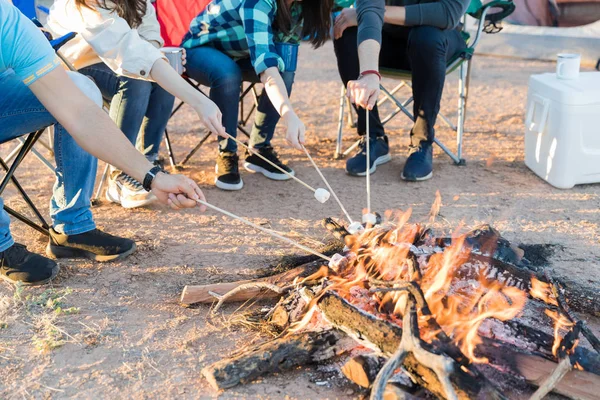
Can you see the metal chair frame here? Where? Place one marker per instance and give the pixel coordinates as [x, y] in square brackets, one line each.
[462, 62]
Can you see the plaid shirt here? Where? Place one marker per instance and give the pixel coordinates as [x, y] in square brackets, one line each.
[241, 28]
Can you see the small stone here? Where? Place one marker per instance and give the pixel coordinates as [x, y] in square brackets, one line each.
[349, 392]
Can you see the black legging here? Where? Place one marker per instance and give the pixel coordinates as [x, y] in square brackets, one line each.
[425, 51]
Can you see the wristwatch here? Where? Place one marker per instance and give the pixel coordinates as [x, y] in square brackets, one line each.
[149, 178]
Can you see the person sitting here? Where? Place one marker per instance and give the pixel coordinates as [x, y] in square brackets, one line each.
[118, 44]
[419, 36]
[232, 39]
[36, 93]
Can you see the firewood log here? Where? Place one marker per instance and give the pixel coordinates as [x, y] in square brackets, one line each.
[273, 356]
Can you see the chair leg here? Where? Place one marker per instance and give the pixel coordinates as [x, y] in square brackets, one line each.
[340, 129]
[96, 199]
[351, 121]
[462, 102]
[195, 149]
[174, 165]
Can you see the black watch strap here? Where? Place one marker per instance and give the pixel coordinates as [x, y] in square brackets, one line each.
[150, 175]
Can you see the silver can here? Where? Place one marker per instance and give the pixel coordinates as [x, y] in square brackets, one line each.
[174, 55]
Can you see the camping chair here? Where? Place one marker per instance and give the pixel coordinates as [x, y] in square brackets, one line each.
[489, 22]
[21, 152]
[174, 19]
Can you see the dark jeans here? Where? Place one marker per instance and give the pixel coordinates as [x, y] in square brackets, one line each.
[141, 109]
[224, 76]
[425, 51]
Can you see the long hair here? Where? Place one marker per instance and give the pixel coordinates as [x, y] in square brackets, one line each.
[131, 11]
[316, 16]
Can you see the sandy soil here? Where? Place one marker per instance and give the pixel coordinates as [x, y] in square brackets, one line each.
[129, 338]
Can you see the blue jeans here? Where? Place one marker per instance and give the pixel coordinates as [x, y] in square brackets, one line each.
[22, 113]
[141, 109]
[224, 76]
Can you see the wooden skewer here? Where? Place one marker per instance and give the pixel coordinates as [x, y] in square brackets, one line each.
[368, 164]
[267, 231]
[327, 184]
[252, 151]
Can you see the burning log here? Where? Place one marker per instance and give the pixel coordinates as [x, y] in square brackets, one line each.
[385, 337]
[276, 355]
[205, 293]
[363, 369]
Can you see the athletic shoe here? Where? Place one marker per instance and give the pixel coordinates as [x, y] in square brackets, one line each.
[128, 192]
[94, 245]
[228, 172]
[254, 163]
[380, 154]
[419, 164]
[17, 264]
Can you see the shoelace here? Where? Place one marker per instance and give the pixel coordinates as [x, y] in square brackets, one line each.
[270, 154]
[228, 164]
[131, 182]
[17, 252]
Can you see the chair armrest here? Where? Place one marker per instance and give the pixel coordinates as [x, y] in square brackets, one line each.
[501, 8]
[61, 41]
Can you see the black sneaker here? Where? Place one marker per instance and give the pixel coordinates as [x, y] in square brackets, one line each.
[228, 172]
[419, 164]
[380, 154]
[254, 163]
[17, 264]
[95, 245]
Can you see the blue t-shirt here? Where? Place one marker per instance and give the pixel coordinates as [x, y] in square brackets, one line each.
[23, 47]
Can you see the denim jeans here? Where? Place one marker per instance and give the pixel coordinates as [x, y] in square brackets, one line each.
[22, 113]
[424, 50]
[141, 109]
[224, 76]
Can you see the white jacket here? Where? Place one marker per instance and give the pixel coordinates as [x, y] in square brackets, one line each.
[103, 36]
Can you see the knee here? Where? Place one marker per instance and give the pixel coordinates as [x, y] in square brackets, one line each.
[347, 43]
[87, 86]
[227, 80]
[136, 88]
[426, 41]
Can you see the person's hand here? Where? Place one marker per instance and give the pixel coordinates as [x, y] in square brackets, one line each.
[346, 19]
[178, 191]
[364, 92]
[295, 130]
[211, 116]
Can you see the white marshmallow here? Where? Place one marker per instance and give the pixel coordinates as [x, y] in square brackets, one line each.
[369, 219]
[322, 195]
[337, 262]
[355, 227]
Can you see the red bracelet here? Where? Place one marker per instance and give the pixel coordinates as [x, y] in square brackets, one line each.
[369, 72]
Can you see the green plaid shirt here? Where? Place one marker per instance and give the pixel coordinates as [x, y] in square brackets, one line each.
[243, 28]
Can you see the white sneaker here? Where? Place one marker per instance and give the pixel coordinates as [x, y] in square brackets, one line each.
[128, 192]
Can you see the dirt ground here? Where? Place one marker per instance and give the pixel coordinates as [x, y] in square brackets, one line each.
[116, 330]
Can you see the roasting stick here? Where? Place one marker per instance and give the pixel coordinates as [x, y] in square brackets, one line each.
[267, 231]
[368, 165]
[270, 162]
[327, 184]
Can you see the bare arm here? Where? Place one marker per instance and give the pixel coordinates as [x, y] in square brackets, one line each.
[395, 15]
[275, 88]
[169, 79]
[96, 133]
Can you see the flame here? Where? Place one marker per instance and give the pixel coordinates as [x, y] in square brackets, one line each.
[542, 291]
[384, 254]
[560, 323]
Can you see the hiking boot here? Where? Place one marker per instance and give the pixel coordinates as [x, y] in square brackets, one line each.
[254, 163]
[228, 171]
[17, 264]
[380, 154]
[419, 164]
[128, 192]
[94, 245]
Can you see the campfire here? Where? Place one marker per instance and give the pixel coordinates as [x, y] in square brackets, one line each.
[458, 317]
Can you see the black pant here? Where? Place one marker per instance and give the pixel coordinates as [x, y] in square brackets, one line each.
[424, 50]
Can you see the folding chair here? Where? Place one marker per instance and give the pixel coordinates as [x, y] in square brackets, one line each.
[21, 152]
[488, 22]
[174, 19]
